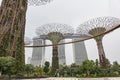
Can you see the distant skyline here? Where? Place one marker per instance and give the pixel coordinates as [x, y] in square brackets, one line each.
[73, 13]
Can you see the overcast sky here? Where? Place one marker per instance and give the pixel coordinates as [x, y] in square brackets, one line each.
[73, 13]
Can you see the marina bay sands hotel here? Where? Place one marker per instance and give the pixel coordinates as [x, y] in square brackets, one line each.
[79, 50]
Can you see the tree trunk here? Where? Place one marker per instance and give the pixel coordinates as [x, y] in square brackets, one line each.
[12, 28]
[88, 73]
[101, 53]
[55, 62]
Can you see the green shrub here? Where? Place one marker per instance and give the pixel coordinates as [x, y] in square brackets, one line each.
[115, 73]
[19, 75]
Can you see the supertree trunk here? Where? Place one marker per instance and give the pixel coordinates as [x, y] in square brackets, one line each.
[12, 28]
[20, 40]
[8, 12]
[55, 62]
[20, 46]
[101, 53]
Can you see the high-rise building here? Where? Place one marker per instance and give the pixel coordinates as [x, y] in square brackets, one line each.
[61, 54]
[38, 54]
[28, 60]
[79, 52]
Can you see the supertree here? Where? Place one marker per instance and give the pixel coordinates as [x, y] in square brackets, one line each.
[12, 26]
[55, 32]
[96, 27]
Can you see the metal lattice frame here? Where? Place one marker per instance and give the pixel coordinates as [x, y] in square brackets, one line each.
[98, 26]
[104, 22]
[55, 32]
[81, 39]
[54, 27]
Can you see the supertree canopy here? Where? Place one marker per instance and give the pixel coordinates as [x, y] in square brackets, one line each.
[96, 27]
[55, 32]
[38, 2]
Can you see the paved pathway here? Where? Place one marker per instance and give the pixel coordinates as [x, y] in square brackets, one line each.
[54, 78]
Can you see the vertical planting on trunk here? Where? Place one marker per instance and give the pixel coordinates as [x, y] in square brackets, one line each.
[12, 28]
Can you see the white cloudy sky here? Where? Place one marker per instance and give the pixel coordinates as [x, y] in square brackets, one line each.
[74, 12]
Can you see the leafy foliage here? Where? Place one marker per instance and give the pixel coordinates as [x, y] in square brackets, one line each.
[39, 71]
[89, 68]
[46, 67]
[8, 65]
[29, 69]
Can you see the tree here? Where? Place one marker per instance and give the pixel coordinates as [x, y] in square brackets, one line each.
[46, 67]
[73, 69]
[29, 69]
[97, 62]
[8, 65]
[39, 71]
[108, 65]
[88, 65]
[54, 33]
[115, 63]
[98, 27]
[115, 66]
